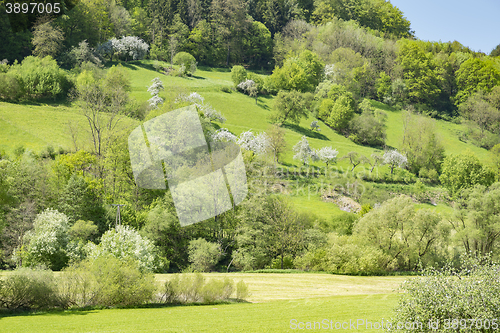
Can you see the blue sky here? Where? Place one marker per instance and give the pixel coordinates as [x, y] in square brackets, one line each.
[475, 24]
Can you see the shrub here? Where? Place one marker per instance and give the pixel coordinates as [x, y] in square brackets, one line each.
[203, 255]
[10, 88]
[29, 289]
[46, 243]
[450, 296]
[238, 74]
[186, 59]
[194, 288]
[106, 281]
[126, 243]
[40, 78]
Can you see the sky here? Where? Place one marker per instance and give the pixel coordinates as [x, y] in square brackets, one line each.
[475, 24]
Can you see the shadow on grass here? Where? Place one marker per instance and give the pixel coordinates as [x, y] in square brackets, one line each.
[305, 131]
[382, 106]
[214, 69]
[88, 310]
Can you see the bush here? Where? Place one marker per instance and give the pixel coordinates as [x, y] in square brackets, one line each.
[10, 88]
[125, 243]
[106, 281]
[186, 59]
[194, 288]
[238, 75]
[203, 255]
[40, 78]
[29, 289]
[452, 296]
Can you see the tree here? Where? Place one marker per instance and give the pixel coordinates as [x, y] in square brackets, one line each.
[404, 234]
[314, 126]
[476, 219]
[102, 100]
[154, 90]
[187, 60]
[126, 48]
[327, 155]
[303, 152]
[495, 152]
[291, 106]
[355, 159]
[302, 73]
[285, 233]
[421, 144]
[337, 112]
[47, 40]
[203, 255]
[478, 110]
[125, 243]
[476, 74]
[249, 87]
[46, 243]
[463, 171]
[80, 202]
[377, 159]
[394, 159]
[418, 72]
[258, 144]
[277, 142]
[368, 129]
[238, 74]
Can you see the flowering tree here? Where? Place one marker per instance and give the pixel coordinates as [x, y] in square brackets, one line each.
[303, 151]
[394, 159]
[205, 108]
[125, 48]
[126, 243]
[155, 89]
[223, 135]
[327, 155]
[259, 143]
[249, 87]
[47, 241]
[314, 125]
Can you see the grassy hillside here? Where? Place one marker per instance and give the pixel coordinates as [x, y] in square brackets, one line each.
[37, 126]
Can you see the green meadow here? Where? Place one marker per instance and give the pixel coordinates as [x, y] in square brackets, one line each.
[275, 300]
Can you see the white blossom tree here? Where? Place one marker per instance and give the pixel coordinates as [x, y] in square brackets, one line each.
[205, 108]
[259, 143]
[250, 88]
[125, 242]
[303, 152]
[327, 155]
[154, 90]
[223, 135]
[314, 126]
[46, 243]
[394, 159]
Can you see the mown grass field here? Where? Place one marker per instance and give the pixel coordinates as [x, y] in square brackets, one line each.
[275, 300]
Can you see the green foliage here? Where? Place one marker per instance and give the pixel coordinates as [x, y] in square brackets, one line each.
[374, 14]
[338, 109]
[40, 78]
[10, 87]
[465, 299]
[290, 106]
[405, 236]
[106, 281]
[368, 129]
[79, 201]
[418, 72]
[194, 288]
[83, 231]
[476, 219]
[47, 40]
[302, 73]
[476, 74]
[46, 243]
[421, 144]
[463, 171]
[238, 74]
[187, 60]
[203, 255]
[28, 288]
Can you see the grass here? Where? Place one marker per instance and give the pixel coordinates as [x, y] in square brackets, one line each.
[276, 300]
